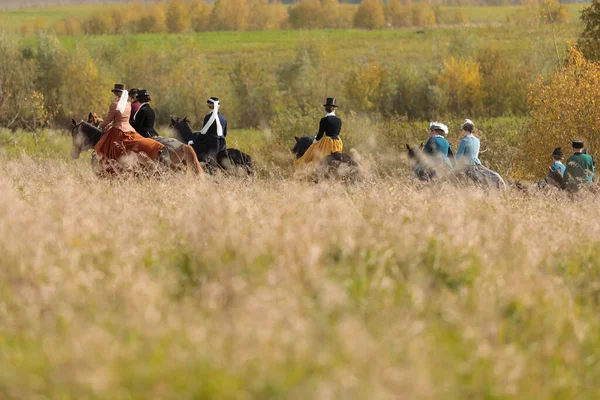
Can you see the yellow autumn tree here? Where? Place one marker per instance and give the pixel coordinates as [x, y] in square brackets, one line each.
[370, 15]
[364, 85]
[154, 21]
[397, 14]
[200, 11]
[460, 83]
[305, 15]
[177, 19]
[563, 109]
[263, 15]
[229, 15]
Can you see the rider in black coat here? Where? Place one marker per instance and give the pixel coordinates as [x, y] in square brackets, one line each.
[143, 120]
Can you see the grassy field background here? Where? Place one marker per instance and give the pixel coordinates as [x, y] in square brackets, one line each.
[198, 288]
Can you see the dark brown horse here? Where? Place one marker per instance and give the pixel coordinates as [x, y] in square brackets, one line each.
[180, 156]
[336, 165]
[229, 160]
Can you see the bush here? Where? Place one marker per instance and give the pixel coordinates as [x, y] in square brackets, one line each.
[364, 86]
[370, 15]
[99, 24]
[265, 16]
[460, 82]
[551, 12]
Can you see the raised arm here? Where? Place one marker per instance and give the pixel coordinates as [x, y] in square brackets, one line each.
[110, 117]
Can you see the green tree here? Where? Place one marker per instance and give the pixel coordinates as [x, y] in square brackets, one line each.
[589, 41]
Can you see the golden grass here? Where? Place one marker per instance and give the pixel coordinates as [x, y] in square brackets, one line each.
[196, 288]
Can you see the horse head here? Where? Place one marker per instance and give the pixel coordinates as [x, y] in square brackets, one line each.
[94, 119]
[182, 127]
[84, 137]
[302, 144]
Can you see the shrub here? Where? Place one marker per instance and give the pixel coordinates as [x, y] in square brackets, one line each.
[264, 16]
[364, 84]
[460, 82]
[99, 24]
[370, 15]
[551, 12]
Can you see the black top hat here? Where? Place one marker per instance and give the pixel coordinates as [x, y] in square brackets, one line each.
[578, 144]
[212, 100]
[558, 152]
[119, 87]
[142, 93]
[133, 92]
[330, 102]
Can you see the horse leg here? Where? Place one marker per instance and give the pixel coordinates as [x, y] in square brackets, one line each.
[190, 159]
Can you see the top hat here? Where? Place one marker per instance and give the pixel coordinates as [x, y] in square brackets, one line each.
[577, 144]
[330, 102]
[133, 92]
[119, 87]
[142, 93]
[212, 100]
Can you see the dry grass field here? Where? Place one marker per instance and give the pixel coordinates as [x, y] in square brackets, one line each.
[186, 288]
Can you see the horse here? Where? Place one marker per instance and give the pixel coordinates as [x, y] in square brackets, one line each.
[180, 155]
[229, 160]
[85, 136]
[426, 169]
[336, 165]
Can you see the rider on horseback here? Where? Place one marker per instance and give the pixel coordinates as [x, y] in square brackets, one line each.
[143, 119]
[468, 148]
[214, 132]
[327, 140]
[122, 139]
[580, 167]
[437, 146]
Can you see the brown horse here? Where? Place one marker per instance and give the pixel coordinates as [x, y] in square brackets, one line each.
[180, 156]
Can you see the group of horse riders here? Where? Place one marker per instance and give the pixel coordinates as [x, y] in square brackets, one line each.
[579, 168]
[131, 120]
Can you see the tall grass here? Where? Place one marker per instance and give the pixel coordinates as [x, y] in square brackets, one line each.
[197, 288]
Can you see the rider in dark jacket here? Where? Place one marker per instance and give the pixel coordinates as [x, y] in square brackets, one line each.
[143, 120]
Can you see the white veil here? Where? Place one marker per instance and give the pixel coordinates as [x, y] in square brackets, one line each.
[214, 117]
[123, 101]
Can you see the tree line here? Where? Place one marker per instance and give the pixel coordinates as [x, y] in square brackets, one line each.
[179, 16]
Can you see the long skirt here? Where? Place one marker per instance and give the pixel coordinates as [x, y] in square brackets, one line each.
[116, 145]
[318, 151]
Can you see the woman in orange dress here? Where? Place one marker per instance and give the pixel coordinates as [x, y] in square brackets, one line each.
[121, 140]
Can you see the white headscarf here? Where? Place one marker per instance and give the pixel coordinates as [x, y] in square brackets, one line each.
[214, 117]
[123, 101]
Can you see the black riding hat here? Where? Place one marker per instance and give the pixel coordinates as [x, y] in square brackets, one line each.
[330, 102]
[577, 144]
[212, 100]
[119, 87]
[133, 92]
[143, 93]
[558, 152]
